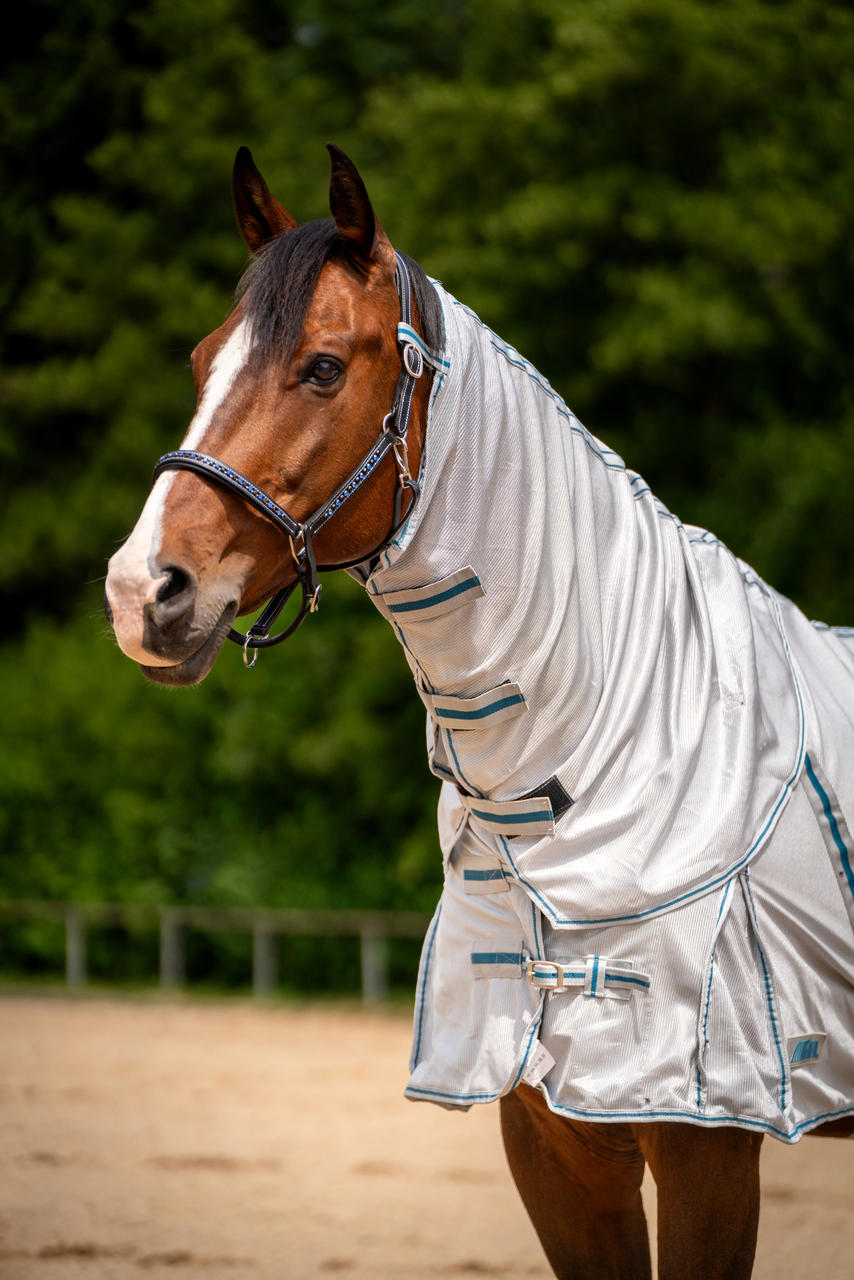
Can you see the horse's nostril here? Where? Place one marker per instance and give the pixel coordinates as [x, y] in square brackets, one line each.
[171, 610]
[177, 582]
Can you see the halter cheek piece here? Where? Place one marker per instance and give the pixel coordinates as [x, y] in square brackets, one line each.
[414, 356]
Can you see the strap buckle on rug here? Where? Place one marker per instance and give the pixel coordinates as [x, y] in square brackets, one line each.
[539, 979]
[598, 976]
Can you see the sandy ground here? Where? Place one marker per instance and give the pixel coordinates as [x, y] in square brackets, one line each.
[227, 1140]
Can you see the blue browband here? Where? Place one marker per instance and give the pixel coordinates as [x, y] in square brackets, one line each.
[414, 356]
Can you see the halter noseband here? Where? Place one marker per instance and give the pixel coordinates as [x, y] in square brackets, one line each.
[392, 437]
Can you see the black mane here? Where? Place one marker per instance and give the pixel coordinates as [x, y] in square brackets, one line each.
[279, 285]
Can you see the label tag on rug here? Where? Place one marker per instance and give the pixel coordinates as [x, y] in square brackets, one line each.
[805, 1049]
[540, 1061]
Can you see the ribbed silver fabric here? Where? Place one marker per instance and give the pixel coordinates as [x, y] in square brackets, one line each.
[566, 631]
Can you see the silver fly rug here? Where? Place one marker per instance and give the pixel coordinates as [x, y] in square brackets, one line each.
[647, 758]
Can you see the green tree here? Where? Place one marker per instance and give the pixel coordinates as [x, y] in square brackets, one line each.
[268, 790]
[654, 202]
[651, 198]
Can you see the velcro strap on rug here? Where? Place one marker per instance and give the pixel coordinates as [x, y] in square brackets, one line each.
[504, 702]
[421, 604]
[534, 814]
[483, 875]
[490, 961]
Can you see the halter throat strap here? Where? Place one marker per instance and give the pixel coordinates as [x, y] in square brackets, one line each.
[415, 356]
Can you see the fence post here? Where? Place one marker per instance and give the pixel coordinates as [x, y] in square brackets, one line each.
[75, 948]
[263, 959]
[374, 965]
[172, 963]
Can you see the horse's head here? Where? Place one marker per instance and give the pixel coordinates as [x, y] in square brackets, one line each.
[293, 394]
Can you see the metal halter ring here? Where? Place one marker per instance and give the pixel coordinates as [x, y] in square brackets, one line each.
[413, 361]
[249, 664]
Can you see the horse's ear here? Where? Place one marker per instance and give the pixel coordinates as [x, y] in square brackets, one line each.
[366, 243]
[259, 215]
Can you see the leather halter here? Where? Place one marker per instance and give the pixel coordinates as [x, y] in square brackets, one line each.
[301, 534]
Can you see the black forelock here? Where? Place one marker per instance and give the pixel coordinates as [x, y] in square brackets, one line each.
[279, 285]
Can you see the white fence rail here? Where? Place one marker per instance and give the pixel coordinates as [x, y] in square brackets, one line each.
[372, 928]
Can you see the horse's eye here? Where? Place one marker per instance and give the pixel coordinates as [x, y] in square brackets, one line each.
[325, 370]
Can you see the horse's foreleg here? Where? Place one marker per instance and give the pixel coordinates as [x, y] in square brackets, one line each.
[708, 1199]
[580, 1184]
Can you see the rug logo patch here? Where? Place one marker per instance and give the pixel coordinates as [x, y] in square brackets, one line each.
[806, 1049]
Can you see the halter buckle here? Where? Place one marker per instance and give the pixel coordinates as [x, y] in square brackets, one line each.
[315, 599]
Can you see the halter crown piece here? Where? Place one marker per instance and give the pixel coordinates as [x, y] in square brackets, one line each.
[414, 356]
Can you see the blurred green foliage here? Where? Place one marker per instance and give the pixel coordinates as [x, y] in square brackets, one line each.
[652, 199]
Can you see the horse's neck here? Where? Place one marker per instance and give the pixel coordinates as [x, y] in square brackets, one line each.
[562, 625]
[515, 489]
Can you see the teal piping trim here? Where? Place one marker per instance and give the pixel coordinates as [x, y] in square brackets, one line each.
[832, 823]
[769, 996]
[422, 993]
[416, 1090]
[374, 591]
[701, 1049]
[844, 633]
[788, 1135]
[461, 777]
[711, 1122]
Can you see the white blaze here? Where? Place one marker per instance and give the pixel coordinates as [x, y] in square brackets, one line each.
[133, 576]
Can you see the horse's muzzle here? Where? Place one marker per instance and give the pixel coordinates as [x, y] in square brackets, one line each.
[193, 668]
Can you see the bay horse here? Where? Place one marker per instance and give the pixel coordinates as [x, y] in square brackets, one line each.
[644, 948]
